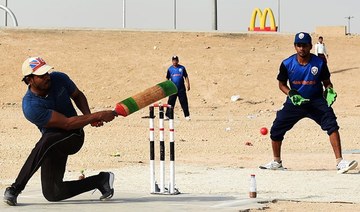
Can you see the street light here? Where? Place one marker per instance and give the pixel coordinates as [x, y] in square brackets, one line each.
[278, 29]
[348, 18]
[124, 13]
[6, 4]
[174, 14]
[215, 11]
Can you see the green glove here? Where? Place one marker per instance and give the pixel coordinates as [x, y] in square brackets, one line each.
[296, 98]
[330, 96]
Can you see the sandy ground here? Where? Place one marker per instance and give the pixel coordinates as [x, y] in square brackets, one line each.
[109, 66]
[208, 189]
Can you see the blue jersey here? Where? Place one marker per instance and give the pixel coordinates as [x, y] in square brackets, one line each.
[38, 109]
[176, 75]
[306, 79]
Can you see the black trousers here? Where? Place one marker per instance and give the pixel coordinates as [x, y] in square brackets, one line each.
[322, 56]
[183, 102]
[51, 153]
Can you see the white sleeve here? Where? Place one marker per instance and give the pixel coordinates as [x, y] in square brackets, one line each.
[316, 50]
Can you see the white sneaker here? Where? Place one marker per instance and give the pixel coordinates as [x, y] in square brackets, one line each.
[344, 166]
[187, 118]
[273, 165]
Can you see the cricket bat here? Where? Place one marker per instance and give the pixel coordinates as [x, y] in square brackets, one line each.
[145, 98]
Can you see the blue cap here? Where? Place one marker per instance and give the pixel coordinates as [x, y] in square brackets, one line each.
[302, 37]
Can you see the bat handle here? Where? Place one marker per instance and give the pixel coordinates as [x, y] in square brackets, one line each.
[115, 113]
[120, 110]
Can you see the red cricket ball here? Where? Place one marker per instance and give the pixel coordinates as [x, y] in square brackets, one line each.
[264, 131]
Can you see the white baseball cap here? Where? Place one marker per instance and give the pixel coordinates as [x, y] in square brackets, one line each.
[36, 66]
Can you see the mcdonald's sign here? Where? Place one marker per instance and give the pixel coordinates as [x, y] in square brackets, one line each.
[263, 15]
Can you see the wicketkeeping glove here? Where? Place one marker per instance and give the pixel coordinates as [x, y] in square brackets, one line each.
[330, 96]
[296, 98]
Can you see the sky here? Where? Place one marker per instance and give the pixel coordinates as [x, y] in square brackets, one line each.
[195, 15]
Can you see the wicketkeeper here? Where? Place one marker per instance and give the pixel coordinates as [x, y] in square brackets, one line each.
[308, 75]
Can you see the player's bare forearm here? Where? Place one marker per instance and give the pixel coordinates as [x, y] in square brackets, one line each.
[327, 84]
[81, 101]
[58, 120]
[97, 117]
[187, 83]
[284, 87]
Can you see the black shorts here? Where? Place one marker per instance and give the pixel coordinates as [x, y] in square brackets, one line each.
[290, 114]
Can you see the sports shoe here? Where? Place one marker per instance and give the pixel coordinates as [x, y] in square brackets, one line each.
[10, 196]
[187, 118]
[344, 166]
[107, 188]
[273, 165]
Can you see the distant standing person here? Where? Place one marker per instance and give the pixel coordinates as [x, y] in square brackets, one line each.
[308, 76]
[178, 75]
[320, 49]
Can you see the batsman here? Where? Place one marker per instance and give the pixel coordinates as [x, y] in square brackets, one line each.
[310, 95]
[47, 104]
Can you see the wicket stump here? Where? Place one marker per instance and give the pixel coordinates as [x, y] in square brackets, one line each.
[154, 187]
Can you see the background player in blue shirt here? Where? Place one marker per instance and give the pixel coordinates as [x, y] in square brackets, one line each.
[47, 104]
[307, 75]
[178, 75]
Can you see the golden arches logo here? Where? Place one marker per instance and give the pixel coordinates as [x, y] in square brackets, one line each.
[263, 16]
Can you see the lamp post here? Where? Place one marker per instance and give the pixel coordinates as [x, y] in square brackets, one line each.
[124, 14]
[278, 27]
[215, 23]
[6, 13]
[174, 14]
[349, 18]
[7, 10]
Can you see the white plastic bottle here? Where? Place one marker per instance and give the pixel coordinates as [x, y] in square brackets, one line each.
[252, 193]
